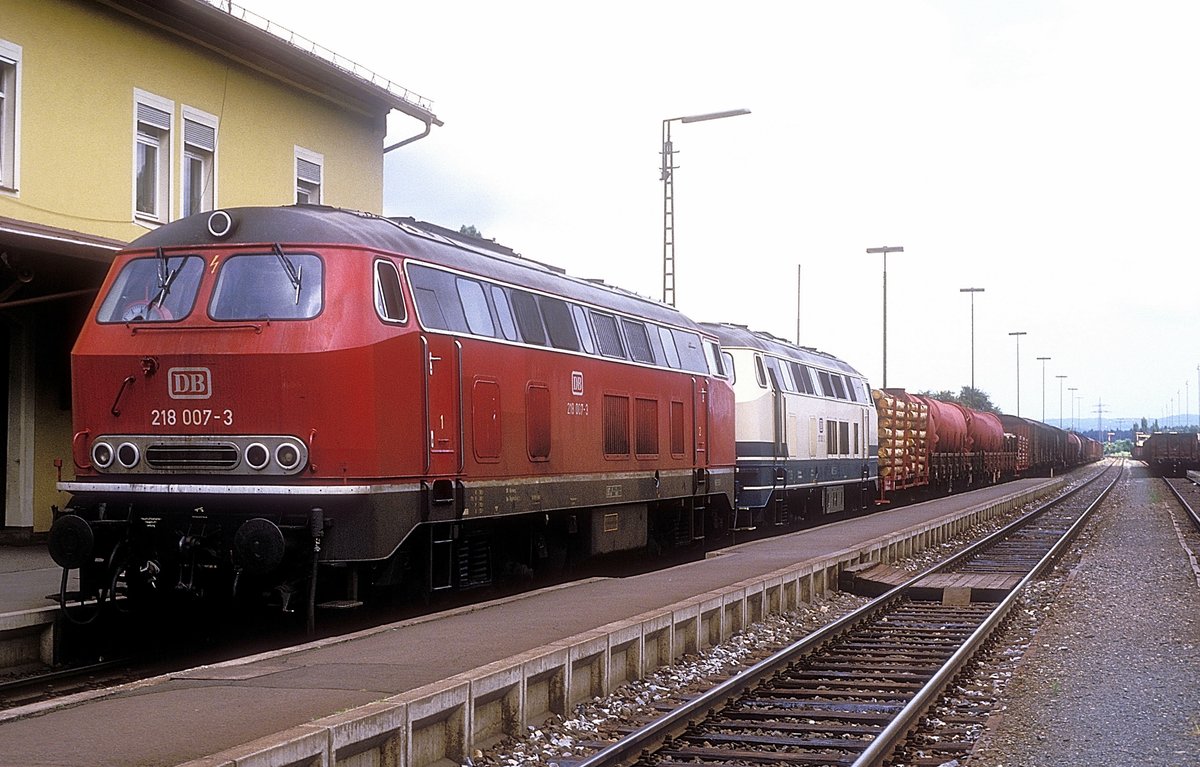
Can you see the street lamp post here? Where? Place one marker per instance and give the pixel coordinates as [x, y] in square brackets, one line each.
[1060, 413]
[1018, 334]
[885, 250]
[1043, 360]
[1073, 389]
[972, 291]
[668, 168]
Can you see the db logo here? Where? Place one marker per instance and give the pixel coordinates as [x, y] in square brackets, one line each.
[189, 383]
[577, 383]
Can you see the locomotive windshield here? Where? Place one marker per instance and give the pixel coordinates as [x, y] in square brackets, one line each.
[155, 289]
[270, 286]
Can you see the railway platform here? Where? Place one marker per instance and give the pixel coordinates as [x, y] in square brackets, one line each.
[430, 690]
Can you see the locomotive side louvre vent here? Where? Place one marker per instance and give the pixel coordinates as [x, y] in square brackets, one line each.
[192, 456]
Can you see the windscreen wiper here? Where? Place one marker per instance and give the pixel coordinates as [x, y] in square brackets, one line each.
[166, 278]
[294, 273]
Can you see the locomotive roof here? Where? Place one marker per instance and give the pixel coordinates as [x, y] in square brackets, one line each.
[314, 225]
[740, 336]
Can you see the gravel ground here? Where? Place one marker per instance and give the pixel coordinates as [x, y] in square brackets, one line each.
[1111, 668]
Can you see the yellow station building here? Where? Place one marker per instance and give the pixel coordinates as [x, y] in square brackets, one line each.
[117, 116]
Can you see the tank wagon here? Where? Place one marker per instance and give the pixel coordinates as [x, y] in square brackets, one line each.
[1172, 454]
[928, 445]
[806, 431]
[262, 395]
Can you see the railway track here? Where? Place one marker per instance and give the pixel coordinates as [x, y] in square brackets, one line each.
[856, 692]
[1187, 493]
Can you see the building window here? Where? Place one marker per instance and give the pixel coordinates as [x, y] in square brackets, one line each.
[151, 159]
[310, 168]
[10, 61]
[199, 162]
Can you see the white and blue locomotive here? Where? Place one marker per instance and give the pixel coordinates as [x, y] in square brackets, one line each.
[806, 431]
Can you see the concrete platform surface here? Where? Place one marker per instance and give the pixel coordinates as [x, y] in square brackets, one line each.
[193, 714]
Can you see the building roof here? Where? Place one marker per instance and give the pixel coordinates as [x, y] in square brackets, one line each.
[236, 33]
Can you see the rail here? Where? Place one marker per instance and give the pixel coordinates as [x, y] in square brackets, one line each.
[688, 716]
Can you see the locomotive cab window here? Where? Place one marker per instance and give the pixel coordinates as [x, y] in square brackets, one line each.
[269, 286]
[691, 356]
[508, 325]
[475, 307]
[716, 363]
[438, 304]
[154, 289]
[760, 373]
[389, 299]
[668, 344]
[581, 327]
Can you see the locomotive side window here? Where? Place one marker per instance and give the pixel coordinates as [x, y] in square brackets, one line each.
[529, 319]
[389, 300]
[608, 338]
[153, 290]
[730, 371]
[668, 344]
[826, 383]
[715, 362]
[850, 387]
[581, 327]
[639, 342]
[274, 286]
[803, 380]
[839, 386]
[507, 324]
[559, 323]
[785, 374]
[691, 356]
[760, 372]
[438, 304]
[475, 307]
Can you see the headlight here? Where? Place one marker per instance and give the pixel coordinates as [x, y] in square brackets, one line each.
[128, 455]
[102, 455]
[287, 455]
[257, 456]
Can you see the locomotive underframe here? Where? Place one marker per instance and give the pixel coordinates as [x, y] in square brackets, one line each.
[184, 538]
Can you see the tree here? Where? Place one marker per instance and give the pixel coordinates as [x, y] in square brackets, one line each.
[977, 400]
[968, 397]
[470, 231]
[1144, 424]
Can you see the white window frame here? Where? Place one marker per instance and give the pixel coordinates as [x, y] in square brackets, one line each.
[207, 156]
[161, 137]
[307, 185]
[10, 117]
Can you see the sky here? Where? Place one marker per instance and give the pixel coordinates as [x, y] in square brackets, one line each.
[1046, 151]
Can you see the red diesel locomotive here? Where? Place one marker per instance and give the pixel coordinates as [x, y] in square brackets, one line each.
[263, 394]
